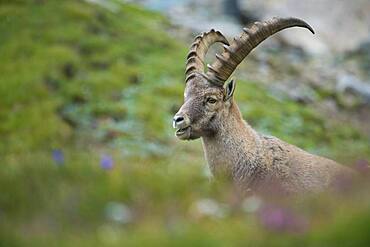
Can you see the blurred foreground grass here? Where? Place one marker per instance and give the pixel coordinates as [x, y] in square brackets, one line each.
[88, 156]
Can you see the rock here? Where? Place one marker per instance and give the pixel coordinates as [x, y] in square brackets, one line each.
[352, 91]
[361, 56]
[227, 15]
[295, 90]
[234, 10]
[345, 22]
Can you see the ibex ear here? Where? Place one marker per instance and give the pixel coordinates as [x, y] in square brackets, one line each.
[230, 88]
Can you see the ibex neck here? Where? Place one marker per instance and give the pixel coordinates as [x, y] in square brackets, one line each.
[226, 148]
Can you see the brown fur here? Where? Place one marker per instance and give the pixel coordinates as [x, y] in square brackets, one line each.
[233, 149]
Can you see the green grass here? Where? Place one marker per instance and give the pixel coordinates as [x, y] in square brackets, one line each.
[87, 81]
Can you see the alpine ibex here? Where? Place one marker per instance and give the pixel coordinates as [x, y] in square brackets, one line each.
[231, 146]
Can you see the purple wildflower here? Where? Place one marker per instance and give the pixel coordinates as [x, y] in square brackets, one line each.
[106, 162]
[282, 220]
[362, 166]
[94, 124]
[58, 156]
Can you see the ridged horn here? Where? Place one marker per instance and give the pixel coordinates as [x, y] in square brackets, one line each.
[198, 51]
[251, 37]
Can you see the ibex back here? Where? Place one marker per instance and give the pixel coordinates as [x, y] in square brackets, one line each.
[231, 146]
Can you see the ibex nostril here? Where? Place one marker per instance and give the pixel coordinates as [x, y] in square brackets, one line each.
[177, 121]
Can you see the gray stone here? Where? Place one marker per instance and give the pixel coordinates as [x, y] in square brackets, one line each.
[353, 90]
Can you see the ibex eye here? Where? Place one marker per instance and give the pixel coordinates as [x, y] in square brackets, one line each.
[211, 100]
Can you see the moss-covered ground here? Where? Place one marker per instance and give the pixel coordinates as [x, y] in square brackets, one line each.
[88, 155]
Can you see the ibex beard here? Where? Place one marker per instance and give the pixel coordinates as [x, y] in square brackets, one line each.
[253, 161]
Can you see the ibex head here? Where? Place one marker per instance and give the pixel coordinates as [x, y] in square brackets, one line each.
[207, 102]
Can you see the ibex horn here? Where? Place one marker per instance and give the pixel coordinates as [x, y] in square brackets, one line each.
[198, 50]
[234, 54]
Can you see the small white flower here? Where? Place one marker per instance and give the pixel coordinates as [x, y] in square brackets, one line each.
[118, 212]
[251, 204]
[209, 207]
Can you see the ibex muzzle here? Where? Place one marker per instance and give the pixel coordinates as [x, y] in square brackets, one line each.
[181, 122]
[209, 111]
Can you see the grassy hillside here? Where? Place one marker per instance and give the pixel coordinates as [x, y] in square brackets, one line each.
[88, 156]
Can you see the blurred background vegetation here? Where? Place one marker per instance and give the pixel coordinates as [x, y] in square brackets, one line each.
[88, 156]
